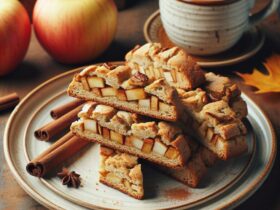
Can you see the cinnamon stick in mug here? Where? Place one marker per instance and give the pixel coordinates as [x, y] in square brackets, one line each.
[49, 130]
[58, 152]
[63, 109]
[9, 101]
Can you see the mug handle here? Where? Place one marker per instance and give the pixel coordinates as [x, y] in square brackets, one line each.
[262, 14]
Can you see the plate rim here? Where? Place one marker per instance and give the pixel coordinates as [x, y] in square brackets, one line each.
[33, 193]
[209, 64]
[258, 182]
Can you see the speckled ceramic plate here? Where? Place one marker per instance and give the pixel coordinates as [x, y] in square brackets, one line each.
[226, 185]
[251, 42]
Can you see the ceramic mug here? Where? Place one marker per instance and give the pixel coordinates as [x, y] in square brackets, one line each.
[206, 27]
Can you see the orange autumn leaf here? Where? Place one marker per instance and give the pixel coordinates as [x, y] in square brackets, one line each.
[265, 82]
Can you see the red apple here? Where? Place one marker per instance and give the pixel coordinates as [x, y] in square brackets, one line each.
[15, 33]
[75, 31]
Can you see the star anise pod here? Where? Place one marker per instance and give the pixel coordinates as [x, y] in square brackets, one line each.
[71, 179]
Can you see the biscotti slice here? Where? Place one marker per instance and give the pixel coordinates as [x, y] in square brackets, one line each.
[216, 124]
[222, 119]
[118, 87]
[172, 64]
[157, 141]
[193, 172]
[121, 171]
[222, 88]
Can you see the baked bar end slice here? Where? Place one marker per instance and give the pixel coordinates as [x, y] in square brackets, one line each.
[121, 171]
[173, 64]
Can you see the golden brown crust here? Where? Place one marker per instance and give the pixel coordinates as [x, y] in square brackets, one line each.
[191, 69]
[168, 131]
[122, 171]
[153, 58]
[193, 100]
[104, 181]
[224, 149]
[102, 112]
[116, 77]
[223, 119]
[232, 148]
[181, 143]
[144, 130]
[163, 91]
[220, 87]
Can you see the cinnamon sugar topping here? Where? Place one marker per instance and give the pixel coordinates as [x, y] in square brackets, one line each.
[176, 193]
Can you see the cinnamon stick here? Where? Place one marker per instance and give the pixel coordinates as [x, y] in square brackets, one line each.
[58, 152]
[49, 130]
[9, 101]
[63, 109]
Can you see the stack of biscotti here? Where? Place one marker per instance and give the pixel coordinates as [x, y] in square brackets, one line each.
[150, 135]
[146, 107]
[162, 143]
[212, 102]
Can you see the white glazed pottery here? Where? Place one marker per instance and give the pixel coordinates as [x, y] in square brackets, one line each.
[249, 44]
[207, 29]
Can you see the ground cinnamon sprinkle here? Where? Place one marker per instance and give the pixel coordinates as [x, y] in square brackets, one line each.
[176, 193]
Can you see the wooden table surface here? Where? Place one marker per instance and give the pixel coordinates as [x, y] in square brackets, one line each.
[38, 66]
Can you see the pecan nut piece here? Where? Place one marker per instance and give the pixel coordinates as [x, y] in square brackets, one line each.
[139, 79]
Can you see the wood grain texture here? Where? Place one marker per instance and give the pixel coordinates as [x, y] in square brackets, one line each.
[38, 66]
